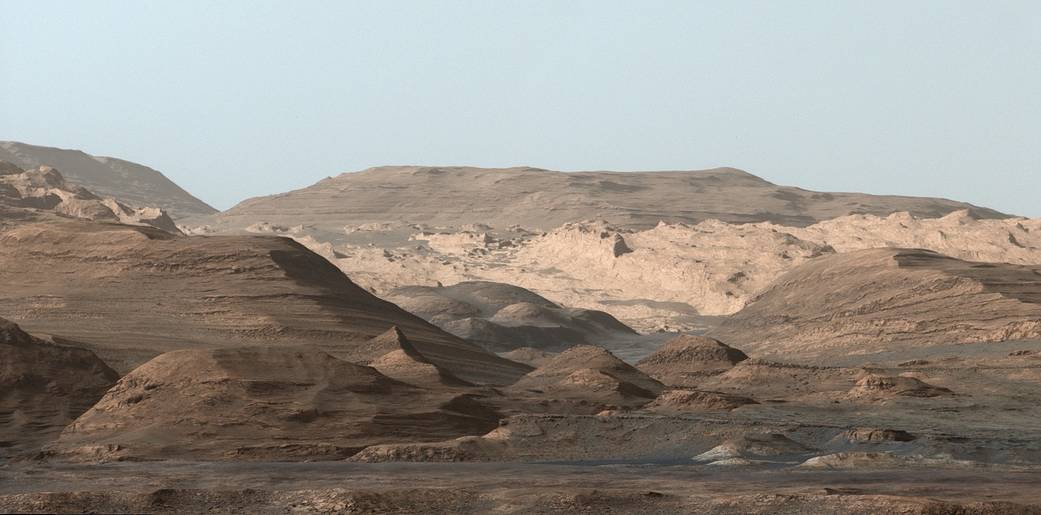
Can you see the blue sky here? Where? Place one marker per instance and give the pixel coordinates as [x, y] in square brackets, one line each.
[237, 99]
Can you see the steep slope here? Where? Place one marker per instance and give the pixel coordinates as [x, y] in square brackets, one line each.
[43, 387]
[263, 403]
[127, 182]
[503, 317]
[136, 292]
[872, 300]
[544, 199]
[406, 364]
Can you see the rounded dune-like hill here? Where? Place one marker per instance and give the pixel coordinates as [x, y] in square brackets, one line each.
[878, 299]
[263, 403]
[684, 359]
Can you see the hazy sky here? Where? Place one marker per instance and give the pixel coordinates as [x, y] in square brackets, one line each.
[237, 99]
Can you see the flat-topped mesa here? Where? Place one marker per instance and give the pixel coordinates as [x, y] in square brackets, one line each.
[543, 199]
[46, 189]
[882, 299]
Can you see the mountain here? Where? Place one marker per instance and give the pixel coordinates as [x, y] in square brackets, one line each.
[544, 199]
[130, 183]
[881, 299]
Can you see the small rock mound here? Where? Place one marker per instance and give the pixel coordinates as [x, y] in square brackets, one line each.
[589, 367]
[682, 360]
[681, 401]
[752, 446]
[883, 460]
[874, 435]
[878, 386]
[854, 460]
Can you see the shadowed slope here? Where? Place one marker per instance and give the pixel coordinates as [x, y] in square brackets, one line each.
[135, 292]
[43, 387]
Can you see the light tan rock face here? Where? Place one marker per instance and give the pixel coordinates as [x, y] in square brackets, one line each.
[43, 387]
[131, 293]
[543, 199]
[45, 189]
[660, 277]
[262, 403]
[872, 300]
[129, 183]
[646, 247]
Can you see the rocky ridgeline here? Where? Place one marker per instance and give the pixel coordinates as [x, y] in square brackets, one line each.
[45, 189]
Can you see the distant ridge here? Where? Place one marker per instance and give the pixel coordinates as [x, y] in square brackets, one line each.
[131, 183]
[544, 199]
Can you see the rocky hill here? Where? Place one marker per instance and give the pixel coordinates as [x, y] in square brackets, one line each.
[262, 403]
[44, 189]
[878, 299]
[130, 183]
[502, 317]
[681, 361]
[131, 293]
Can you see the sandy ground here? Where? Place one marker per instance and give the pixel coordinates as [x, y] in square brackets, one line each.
[172, 486]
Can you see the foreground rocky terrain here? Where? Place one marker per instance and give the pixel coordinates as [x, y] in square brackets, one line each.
[275, 488]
